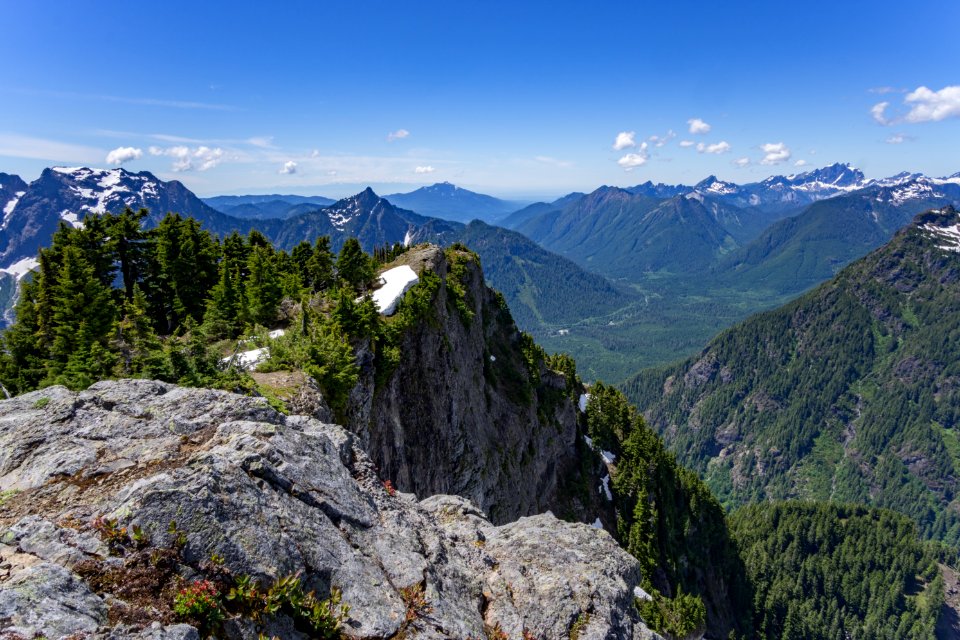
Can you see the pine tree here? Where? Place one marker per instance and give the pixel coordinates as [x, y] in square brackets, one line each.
[320, 265]
[263, 291]
[223, 316]
[354, 266]
[128, 242]
[83, 313]
[140, 349]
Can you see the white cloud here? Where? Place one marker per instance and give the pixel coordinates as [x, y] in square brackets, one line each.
[399, 134]
[800, 163]
[424, 169]
[264, 142]
[774, 153]
[698, 126]
[687, 143]
[563, 164]
[933, 106]
[897, 138]
[632, 160]
[289, 168]
[884, 90]
[185, 158]
[315, 153]
[123, 154]
[659, 141]
[878, 112]
[717, 148]
[742, 162]
[624, 140]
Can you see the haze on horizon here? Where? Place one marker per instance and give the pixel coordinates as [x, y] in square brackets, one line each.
[532, 100]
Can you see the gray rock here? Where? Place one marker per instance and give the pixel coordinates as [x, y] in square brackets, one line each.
[47, 599]
[452, 420]
[272, 496]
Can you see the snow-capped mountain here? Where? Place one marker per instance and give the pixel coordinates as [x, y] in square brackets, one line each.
[63, 194]
[373, 220]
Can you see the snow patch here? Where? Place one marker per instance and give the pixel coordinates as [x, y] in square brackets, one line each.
[597, 524]
[608, 457]
[276, 333]
[950, 235]
[248, 359]
[582, 403]
[9, 207]
[396, 282]
[21, 268]
[605, 487]
[640, 594]
[71, 218]
[589, 441]
[408, 237]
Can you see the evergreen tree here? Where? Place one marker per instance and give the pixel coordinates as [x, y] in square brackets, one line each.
[320, 266]
[263, 290]
[83, 313]
[129, 243]
[140, 349]
[186, 270]
[224, 309]
[354, 267]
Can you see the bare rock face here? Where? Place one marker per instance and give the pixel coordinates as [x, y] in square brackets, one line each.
[462, 413]
[268, 496]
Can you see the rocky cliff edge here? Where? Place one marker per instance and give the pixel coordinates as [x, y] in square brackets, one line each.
[221, 486]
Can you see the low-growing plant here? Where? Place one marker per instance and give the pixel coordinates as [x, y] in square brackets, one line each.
[673, 618]
[390, 489]
[579, 625]
[111, 533]
[415, 598]
[199, 603]
[41, 403]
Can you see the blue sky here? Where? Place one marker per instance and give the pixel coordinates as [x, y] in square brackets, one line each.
[514, 99]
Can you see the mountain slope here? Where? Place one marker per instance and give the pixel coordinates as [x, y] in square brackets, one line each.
[849, 393]
[366, 216]
[69, 194]
[621, 235]
[266, 206]
[796, 253]
[541, 287]
[450, 202]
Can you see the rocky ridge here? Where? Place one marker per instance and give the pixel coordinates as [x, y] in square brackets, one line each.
[270, 495]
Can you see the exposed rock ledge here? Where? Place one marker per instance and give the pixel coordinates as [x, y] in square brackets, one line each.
[273, 495]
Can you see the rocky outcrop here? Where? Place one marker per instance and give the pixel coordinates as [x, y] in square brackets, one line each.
[266, 495]
[462, 413]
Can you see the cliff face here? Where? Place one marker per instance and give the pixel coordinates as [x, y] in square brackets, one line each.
[464, 412]
[265, 495]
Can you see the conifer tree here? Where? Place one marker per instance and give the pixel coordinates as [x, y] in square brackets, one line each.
[263, 291]
[83, 313]
[320, 266]
[224, 308]
[128, 243]
[140, 349]
[354, 267]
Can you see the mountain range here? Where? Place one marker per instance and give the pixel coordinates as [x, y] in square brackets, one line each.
[687, 261]
[850, 393]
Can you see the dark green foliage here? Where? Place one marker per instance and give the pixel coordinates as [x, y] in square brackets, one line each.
[82, 313]
[263, 290]
[388, 253]
[457, 287]
[849, 393]
[674, 618]
[319, 266]
[354, 267]
[140, 349]
[184, 270]
[825, 571]
[667, 517]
